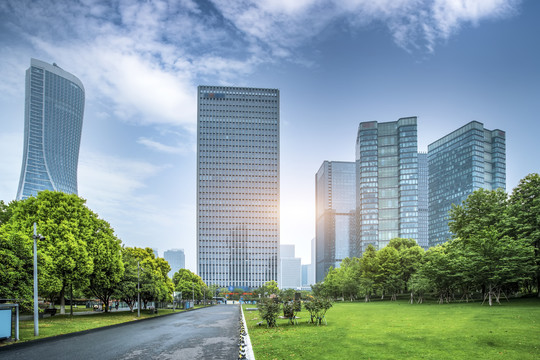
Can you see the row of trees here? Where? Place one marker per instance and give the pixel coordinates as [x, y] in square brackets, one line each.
[494, 251]
[78, 251]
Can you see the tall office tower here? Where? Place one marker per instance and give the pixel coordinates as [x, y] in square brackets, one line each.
[53, 117]
[463, 161]
[237, 186]
[386, 182]
[312, 266]
[176, 259]
[291, 268]
[423, 213]
[305, 275]
[335, 203]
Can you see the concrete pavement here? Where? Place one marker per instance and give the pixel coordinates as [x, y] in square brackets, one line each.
[208, 333]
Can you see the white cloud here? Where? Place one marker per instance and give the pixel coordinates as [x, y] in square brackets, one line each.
[286, 24]
[157, 146]
[141, 61]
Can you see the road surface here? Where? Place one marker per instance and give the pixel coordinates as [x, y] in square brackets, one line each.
[209, 333]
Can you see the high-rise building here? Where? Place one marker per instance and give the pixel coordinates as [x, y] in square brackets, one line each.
[463, 161]
[237, 186]
[291, 268]
[54, 109]
[335, 202]
[423, 193]
[386, 182]
[305, 274]
[312, 266]
[176, 259]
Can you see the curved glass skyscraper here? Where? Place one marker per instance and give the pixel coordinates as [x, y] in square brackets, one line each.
[54, 109]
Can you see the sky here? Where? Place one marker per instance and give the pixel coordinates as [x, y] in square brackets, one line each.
[336, 63]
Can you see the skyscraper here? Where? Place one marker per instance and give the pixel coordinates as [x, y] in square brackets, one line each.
[291, 268]
[237, 186]
[176, 259]
[386, 182]
[423, 194]
[54, 109]
[463, 161]
[335, 203]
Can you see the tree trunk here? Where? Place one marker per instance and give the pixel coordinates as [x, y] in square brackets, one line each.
[412, 298]
[62, 301]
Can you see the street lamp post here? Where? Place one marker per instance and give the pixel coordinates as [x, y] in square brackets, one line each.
[138, 291]
[193, 293]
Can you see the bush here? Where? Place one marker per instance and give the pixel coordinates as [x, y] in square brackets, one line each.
[317, 309]
[269, 310]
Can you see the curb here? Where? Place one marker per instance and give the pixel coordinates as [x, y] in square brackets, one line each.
[246, 349]
[62, 336]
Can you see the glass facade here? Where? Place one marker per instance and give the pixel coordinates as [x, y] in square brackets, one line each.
[238, 186]
[386, 182]
[423, 194]
[335, 234]
[176, 259]
[54, 110]
[463, 161]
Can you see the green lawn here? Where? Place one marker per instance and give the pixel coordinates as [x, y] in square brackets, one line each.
[398, 330]
[65, 324]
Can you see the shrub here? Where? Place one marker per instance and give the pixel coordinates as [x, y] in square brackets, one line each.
[269, 310]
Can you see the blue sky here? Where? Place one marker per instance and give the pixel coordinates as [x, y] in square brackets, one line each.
[336, 63]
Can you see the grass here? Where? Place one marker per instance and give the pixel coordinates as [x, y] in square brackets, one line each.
[65, 324]
[398, 330]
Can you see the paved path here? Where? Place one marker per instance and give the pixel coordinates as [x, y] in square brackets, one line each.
[209, 333]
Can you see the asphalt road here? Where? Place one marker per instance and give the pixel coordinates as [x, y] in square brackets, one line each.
[209, 333]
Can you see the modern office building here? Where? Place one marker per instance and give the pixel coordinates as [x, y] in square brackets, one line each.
[176, 259]
[291, 268]
[423, 194]
[237, 186]
[312, 266]
[335, 201]
[463, 161]
[53, 117]
[386, 182]
[305, 272]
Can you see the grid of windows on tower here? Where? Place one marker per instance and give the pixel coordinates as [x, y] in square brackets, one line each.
[238, 185]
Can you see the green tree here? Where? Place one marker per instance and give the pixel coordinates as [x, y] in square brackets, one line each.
[351, 271]
[418, 285]
[389, 273]
[108, 268]
[66, 224]
[410, 256]
[481, 210]
[498, 262]
[16, 265]
[269, 288]
[524, 213]
[189, 283]
[437, 269]
[369, 267]
[155, 284]
[127, 287]
[6, 210]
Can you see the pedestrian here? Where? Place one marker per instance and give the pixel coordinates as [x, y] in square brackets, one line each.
[116, 306]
